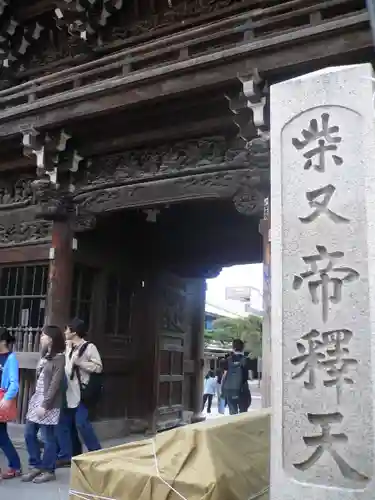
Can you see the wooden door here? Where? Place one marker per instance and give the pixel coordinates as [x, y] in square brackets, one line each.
[173, 335]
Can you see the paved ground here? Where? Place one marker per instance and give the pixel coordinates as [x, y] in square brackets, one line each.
[59, 490]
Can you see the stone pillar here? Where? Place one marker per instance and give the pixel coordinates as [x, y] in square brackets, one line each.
[198, 349]
[60, 274]
[323, 285]
[266, 328]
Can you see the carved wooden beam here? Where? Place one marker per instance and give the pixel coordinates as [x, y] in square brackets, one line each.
[239, 185]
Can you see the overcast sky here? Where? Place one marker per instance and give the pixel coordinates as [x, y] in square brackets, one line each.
[247, 275]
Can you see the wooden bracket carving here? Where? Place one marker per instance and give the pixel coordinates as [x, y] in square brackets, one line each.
[250, 107]
[85, 18]
[249, 197]
[82, 221]
[16, 40]
[56, 163]
[55, 153]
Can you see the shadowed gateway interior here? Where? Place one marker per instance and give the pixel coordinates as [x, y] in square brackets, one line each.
[147, 271]
[192, 239]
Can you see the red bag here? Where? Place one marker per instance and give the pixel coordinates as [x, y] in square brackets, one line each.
[8, 414]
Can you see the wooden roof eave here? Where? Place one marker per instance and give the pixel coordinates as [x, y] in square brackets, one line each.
[187, 75]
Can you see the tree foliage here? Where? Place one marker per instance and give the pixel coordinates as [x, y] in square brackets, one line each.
[249, 330]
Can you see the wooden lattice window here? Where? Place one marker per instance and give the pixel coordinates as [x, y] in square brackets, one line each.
[118, 307]
[23, 291]
[82, 293]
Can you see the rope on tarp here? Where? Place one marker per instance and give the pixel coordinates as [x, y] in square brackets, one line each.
[259, 494]
[88, 496]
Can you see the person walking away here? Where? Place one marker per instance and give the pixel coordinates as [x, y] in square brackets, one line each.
[235, 386]
[83, 369]
[9, 387]
[220, 398]
[44, 407]
[209, 390]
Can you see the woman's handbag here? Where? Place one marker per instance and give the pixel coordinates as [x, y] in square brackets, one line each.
[9, 413]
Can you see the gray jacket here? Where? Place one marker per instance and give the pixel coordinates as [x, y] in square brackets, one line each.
[54, 371]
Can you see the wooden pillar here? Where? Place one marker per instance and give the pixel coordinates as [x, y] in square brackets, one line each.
[198, 349]
[60, 275]
[266, 331]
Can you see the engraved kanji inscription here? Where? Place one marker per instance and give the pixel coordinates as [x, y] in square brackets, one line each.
[337, 362]
[309, 357]
[328, 352]
[319, 200]
[326, 442]
[323, 275]
[326, 143]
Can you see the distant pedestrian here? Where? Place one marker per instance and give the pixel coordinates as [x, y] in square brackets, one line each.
[44, 407]
[235, 385]
[8, 393]
[220, 397]
[209, 391]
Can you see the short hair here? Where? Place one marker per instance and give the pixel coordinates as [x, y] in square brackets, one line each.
[58, 340]
[238, 345]
[78, 327]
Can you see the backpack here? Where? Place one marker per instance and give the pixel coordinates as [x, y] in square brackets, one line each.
[233, 380]
[92, 391]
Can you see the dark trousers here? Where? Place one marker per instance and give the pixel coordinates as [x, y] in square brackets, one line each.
[240, 403]
[76, 442]
[80, 417]
[47, 463]
[8, 449]
[207, 398]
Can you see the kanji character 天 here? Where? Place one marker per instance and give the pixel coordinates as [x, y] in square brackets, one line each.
[326, 442]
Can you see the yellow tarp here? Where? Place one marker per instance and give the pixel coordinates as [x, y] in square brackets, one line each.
[222, 459]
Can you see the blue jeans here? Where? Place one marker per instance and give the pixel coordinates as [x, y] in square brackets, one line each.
[80, 415]
[47, 463]
[9, 450]
[221, 405]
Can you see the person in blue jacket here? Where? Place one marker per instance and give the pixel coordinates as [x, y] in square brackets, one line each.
[9, 375]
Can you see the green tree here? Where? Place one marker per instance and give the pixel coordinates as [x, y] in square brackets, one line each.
[249, 330]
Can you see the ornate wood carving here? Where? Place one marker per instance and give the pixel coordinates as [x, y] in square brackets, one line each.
[173, 12]
[210, 167]
[84, 25]
[27, 232]
[82, 221]
[170, 159]
[211, 185]
[85, 18]
[15, 193]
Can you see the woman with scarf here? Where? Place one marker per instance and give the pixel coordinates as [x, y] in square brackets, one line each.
[44, 407]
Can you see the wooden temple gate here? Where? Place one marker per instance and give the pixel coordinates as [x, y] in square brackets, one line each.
[134, 159]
